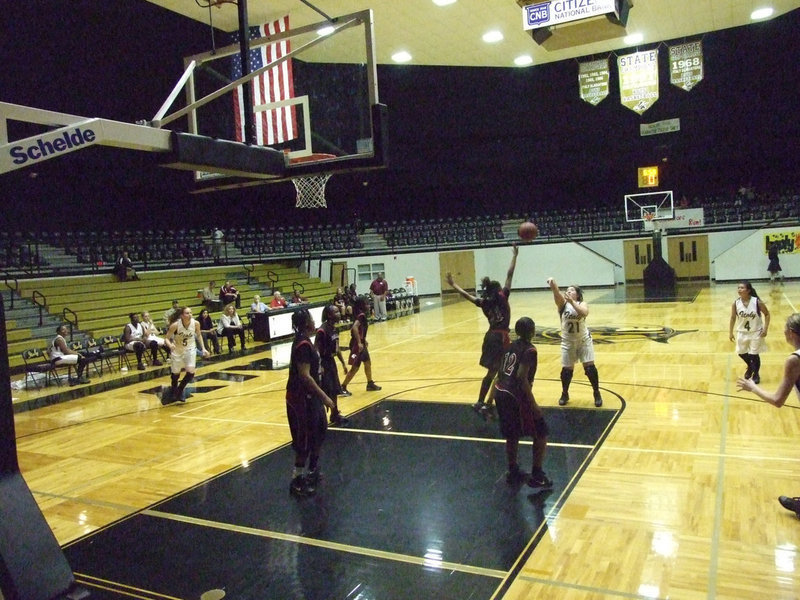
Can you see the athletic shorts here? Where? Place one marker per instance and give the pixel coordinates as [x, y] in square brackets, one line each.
[356, 358]
[517, 418]
[67, 359]
[750, 342]
[187, 361]
[329, 380]
[572, 353]
[307, 423]
[494, 346]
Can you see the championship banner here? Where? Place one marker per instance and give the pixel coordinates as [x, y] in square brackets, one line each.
[665, 126]
[686, 65]
[638, 80]
[593, 78]
[788, 242]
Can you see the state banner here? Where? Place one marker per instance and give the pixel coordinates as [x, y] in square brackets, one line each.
[638, 80]
[686, 65]
[593, 78]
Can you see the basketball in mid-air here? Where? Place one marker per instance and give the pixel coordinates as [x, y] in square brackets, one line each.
[528, 231]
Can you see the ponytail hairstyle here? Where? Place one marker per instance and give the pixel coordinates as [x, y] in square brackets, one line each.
[300, 320]
[329, 313]
[753, 294]
[490, 292]
[360, 305]
[176, 314]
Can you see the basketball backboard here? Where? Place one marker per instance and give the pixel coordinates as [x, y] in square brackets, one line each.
[649, 206]
[310, 115]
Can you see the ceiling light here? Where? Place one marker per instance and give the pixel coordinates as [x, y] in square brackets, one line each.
[327, 30]
[443, 2]
[490, 37]
[633, 38]
[401, 57]
[761, 13]
[523, 60]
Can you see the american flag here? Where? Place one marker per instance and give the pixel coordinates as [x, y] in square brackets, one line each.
[271, 126]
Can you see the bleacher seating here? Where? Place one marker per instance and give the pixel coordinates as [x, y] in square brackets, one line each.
[101, 304]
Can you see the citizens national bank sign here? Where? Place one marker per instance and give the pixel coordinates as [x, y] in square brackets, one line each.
[545, 14]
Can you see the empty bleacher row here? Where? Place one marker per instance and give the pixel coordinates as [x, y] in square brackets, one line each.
[294, 240]
[83, 252]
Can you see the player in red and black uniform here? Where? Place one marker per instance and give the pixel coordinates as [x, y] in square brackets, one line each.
[358, 346]
[519, 414]
[327, 344]
[305, 406]
[494, 304]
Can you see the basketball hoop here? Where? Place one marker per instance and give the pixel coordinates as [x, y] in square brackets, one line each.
[648, 216]
[311, 188]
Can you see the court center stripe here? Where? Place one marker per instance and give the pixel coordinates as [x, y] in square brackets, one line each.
[368, 552]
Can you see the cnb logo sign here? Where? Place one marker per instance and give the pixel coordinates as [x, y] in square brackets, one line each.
[536, 14]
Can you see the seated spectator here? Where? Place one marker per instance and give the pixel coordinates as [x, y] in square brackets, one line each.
[151, 333]
[208, 330]
[340, 302]
[278, 301]
[134, 339]
[351, 297]
[123, 268]
[258, 306]
[61, 354]
[210, 296]
[229, 294]
[230, 325]
[169, 312]
[297, 298]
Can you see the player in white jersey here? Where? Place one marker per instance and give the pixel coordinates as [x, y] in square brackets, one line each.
[576, 341]
[791, 379]
[750, 319]
[182, 338]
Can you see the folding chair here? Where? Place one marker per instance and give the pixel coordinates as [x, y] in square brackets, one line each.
[97, 350]
[38, 361]
[113, 347]
[89, 355]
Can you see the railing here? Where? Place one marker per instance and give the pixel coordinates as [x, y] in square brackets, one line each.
[14, 288]
[71, 317]
[249, 270]
[39, 300]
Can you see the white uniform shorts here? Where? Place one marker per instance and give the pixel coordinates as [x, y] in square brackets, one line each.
[580, 352]
[750, 342]
[187, 361]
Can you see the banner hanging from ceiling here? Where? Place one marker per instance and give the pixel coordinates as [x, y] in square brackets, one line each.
[593, 78]
[686, 65]
[638, 80]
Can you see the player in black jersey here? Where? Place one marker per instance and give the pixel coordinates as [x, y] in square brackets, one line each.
[519, 414]
[359, 352]
[494, 304]
[327, 344]
[305, 406]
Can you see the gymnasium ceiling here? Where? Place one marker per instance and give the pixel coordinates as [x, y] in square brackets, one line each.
[451, 35]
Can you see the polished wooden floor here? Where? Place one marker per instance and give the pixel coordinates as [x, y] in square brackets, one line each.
[678, 501]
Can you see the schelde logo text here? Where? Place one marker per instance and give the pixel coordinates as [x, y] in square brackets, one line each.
[45, 146]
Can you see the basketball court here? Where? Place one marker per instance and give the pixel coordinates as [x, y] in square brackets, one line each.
[192, 499]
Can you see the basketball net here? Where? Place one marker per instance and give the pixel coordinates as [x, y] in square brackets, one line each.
[311, 190]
